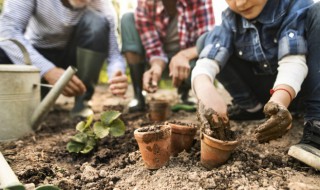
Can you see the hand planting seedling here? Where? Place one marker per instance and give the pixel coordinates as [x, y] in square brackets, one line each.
[89, 133]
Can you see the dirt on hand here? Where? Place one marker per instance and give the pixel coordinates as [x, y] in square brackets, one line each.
[214, 125]
[278, 122]
[116, 163]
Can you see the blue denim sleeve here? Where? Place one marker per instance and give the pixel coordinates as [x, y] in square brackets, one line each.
[218, 43]
[292, 31]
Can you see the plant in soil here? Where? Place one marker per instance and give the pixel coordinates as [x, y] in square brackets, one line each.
[89, 132]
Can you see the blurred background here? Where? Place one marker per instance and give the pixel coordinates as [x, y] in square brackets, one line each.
[123, 6]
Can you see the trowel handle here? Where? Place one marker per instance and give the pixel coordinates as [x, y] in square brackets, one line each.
[7, 176]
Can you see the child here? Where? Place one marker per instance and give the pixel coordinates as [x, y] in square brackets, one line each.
[265, 48]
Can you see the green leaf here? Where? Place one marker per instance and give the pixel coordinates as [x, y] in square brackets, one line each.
[76, 147]
[117, 128]
[81, 126]
[109, 116]
[89, 121]
[80, 138]
[100, 130]
[87, 149]
[89, 146]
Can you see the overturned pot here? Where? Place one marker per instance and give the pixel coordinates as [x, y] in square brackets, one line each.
[154, 144]
[215, 152]
[182, 136]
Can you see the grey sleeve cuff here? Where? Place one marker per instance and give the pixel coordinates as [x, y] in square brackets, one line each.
[292, 44]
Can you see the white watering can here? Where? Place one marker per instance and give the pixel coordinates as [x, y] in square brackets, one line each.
[20, 108]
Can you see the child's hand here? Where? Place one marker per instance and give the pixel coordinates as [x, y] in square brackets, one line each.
[212, 122]
[277, 125]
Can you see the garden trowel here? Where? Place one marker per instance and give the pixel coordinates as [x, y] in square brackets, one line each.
[9, 181]
[307, 154]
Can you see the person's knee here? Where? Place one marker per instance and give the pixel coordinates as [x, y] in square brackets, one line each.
[127, 20]
[131, 41]
[95, 24]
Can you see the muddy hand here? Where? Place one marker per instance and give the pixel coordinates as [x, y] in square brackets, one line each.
[151, 78]
[211, 123]
[278, 123]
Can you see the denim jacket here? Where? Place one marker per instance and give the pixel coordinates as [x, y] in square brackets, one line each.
[278, 31]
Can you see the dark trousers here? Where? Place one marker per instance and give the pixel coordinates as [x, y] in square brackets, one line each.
[91, 33]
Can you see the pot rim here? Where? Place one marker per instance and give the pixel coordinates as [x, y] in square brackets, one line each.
[149, 136]
[182, 129]
[225, 145]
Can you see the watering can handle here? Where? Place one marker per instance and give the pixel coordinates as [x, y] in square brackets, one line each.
[23, 49]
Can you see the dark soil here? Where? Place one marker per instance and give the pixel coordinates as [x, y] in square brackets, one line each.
[42, 158]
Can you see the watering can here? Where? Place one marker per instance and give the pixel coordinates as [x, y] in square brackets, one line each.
[20, 108]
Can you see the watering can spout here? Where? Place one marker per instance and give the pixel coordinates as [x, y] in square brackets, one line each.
[51, 97]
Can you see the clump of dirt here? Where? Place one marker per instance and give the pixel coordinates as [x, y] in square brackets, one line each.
[151, 128]
[214, 125]
[192, 125]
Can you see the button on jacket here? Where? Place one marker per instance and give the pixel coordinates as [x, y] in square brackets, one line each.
[278, 31]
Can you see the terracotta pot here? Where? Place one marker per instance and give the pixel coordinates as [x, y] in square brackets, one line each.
[215, 152]
[182, 136]
[154, 145]
[159, 110]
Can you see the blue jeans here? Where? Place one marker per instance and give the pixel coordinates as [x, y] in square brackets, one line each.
[248, 88]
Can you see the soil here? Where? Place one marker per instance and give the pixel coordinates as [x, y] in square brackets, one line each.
[42, 158]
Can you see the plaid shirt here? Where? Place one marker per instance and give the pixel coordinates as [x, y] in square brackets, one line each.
[195, 17]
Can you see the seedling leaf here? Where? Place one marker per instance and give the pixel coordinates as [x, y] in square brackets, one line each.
[100, 130]
[89, 121]
[81, 126]
[80, 138]
[110, 116]
[75, 147]
[86, 138]
[89, 146]
[117, 128]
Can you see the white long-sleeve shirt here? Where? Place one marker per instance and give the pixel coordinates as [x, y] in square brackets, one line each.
[48, 24]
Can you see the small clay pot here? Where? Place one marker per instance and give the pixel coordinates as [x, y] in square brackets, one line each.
[154, 145]
[159, 110]
[182, 136]
[215, 152]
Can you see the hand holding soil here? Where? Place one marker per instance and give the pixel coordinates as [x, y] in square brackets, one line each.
[278, 123]
[211, 123]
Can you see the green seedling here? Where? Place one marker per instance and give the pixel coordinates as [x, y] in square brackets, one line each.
[89, 132]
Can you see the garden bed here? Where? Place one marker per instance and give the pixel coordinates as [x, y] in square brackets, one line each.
[42, 158]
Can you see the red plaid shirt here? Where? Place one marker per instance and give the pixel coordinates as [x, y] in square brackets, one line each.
[195, 17]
